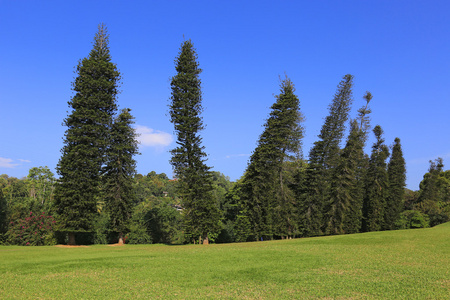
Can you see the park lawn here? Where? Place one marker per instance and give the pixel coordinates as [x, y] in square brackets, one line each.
[403, 264]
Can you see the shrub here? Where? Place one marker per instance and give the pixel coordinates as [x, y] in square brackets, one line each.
[412, 219]
[34, 230]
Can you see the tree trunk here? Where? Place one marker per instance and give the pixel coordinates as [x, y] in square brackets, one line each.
[206, 241]
[120, 238]
[72, 238]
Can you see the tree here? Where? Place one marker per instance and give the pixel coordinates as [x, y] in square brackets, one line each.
[323, 158]
[266, 196]
[353, 218]
[119, 171]
[41, 184]
[434, 194]
[86, 138]
[397, 182]
[201, 213]
[3, 211]
[344, 207]
[376, 185]
[344, 185]
[428, 186]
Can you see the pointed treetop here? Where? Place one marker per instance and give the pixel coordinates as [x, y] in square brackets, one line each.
[101, 40]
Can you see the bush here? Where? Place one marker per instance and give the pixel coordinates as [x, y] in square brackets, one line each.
[138, 231]
[412, 219]
[34, 230]
[101, 229]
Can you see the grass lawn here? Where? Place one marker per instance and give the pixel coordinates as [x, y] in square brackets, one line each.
[404, 264]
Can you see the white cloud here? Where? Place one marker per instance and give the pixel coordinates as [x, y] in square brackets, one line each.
[423, 160]
[149, 137]
[7, 163]
[24, 160]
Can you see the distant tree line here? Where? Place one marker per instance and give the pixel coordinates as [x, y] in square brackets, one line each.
[99, 198]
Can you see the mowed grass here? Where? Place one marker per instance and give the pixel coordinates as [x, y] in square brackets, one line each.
[405, 264]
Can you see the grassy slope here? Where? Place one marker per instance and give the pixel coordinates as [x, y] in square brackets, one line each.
[405, 264]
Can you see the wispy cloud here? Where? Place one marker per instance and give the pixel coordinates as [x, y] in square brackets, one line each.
[237, 155]
[7, 163]
[149, 137]
[423, 160]
[24, 160]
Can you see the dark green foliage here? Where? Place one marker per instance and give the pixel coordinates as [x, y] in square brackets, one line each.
[343, 204]
[344, 207]
[257, 196]
[354, 216]
[119, 172]
[434, 194]
[360, 161]
[201, 213]
[102, 229]
[86, 138]
[157, 216]
[138, 229]
[410, 199]
[164, 222]
[397, 182]
[266, 197]
[429, 190]
[232, 211]
[323, 158]
[376, 185]
[286, 224]
[3, 214]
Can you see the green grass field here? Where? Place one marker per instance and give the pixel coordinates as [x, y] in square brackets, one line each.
[405, 264]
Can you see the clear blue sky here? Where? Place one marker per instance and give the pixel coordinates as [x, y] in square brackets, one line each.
[397, 50]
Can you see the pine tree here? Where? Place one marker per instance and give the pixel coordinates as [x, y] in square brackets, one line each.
[397, 182]
[343, 184]
[323, 158]
[119, 171]
[429, 185]
[201, 214]
[265, 193]
[376, 185]
[434, 193]
[86, 138]
[344, 208]
[353, 219]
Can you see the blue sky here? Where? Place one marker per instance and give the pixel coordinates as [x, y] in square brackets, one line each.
[397, 50]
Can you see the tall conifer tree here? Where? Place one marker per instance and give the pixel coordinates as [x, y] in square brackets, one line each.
[265, 191]
[86, 137]
[343, 184]
[344, 208]
[376, 185]
[397, 183]
[119, 171]
[201, 214]
[323, 158]
[353, 219]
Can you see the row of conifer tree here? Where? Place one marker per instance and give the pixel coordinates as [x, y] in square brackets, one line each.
[335, 190]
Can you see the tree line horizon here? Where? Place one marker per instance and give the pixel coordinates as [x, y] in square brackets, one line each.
[99, 197]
